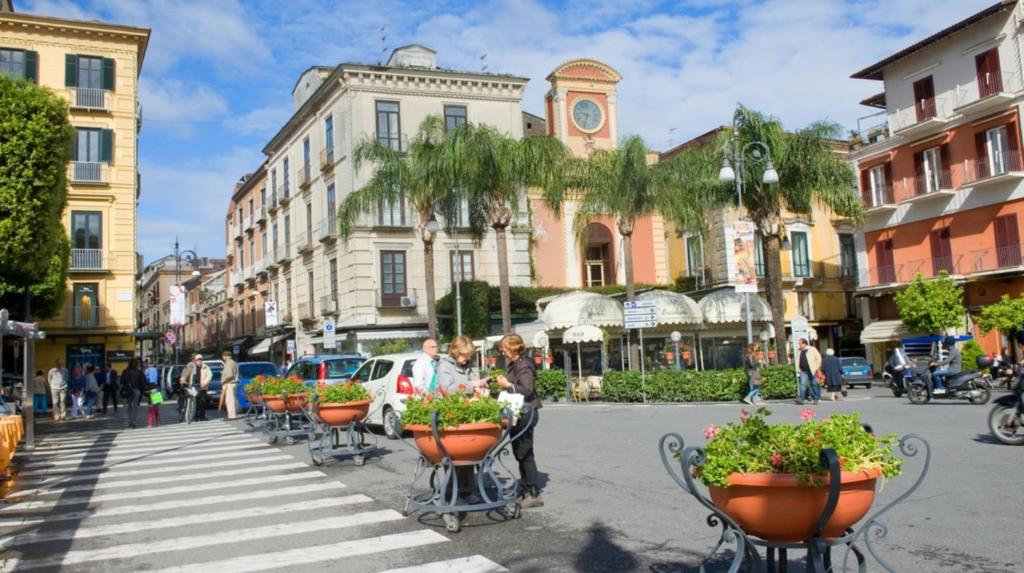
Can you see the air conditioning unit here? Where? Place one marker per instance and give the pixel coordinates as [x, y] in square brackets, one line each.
[408, 302]
[329, 307]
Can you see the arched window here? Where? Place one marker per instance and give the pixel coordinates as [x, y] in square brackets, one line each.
[598, 263]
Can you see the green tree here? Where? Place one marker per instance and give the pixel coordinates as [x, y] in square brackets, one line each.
[416, 176]
[491, 170]
[810, 173]
[1006, 316]
[35, 140]
[931, 306]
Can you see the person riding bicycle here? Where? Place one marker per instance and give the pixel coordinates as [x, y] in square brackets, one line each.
[196, 375]
[948, 366]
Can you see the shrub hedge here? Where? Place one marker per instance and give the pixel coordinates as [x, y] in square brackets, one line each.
[779, 382]
[550, 384]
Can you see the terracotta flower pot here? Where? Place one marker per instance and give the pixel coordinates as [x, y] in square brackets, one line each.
[255, 399]
[342, 414]
[776, 507]
[464, 443]
[295, 402]
[275, 403]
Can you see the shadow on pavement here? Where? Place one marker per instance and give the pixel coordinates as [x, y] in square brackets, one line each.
[600, 554]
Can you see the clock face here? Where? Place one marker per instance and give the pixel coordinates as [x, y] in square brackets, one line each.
[587, 115]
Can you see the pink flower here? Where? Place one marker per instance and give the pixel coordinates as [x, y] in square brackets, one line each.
[776, 460]
[711, 432]
[807, 414]
[744, 415]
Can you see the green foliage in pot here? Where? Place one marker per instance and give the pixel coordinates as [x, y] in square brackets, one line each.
[550, 384]
[274, 386]
[453, 410]
[340, 393]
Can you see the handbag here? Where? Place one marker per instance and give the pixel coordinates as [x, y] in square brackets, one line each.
[156, 398]
[513, 401]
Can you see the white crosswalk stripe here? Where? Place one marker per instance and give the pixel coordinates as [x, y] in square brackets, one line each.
[206, 497]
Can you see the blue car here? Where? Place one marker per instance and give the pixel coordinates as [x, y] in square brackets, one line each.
[246, 372]
[857, 371]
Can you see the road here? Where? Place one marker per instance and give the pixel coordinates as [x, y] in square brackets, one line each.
[95, 496]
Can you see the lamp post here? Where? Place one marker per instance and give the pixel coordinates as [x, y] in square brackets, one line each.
[676, 337]
[193, 260]
[757, 153]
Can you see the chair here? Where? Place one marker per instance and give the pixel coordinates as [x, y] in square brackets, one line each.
[578, 391]
[593, 386]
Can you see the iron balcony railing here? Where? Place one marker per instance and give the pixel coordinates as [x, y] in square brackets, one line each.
[996, 258]
[86, 259]
[88, 172]
[327, 158]
[305, 311]
[875, 198]
[89, 98]
[930, 183]
[303, 176]
[987, 86]
[85, 316]
[261, 214]
[328, 228]
[990, 166]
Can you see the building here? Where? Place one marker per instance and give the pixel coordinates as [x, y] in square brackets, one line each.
[207, 328]
[95, 66]
[371, 287]
[154, 309]
[941, 174]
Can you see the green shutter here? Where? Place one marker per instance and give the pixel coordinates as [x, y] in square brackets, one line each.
[32, 67]
[71, 70]
[108, 74]
[73, 151]
[106, 145]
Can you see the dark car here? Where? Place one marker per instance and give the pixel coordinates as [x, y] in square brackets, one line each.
[246, 372]
[857, 371]
[329, 368]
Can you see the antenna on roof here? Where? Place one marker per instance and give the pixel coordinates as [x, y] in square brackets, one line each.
[483, 63]
[383, 44]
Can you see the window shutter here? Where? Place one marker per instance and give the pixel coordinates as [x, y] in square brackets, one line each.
[889, 189]
[935, 240]
[919, 163]
[108, 74]
[106, 145]
[73, 150]
[71, 70]
[32, 66]
[980, 149]
[1000, 227]
[865, 188]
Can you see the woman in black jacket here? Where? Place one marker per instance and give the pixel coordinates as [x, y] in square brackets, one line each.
[133, 383]
[519, 378]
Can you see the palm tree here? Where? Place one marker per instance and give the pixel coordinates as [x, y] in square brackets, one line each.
[413, 176]
[490, 171]
[810, 173]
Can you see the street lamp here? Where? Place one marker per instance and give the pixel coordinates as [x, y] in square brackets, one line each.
[676, 337]
[193, 259]
[757, 153]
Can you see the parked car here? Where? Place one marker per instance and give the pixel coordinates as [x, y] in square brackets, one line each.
[329, 368]
[246, 372]
[393, 373]
[213, 390]
[857, 371]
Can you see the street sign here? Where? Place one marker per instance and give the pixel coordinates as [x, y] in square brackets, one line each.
[330, 338]
[636, 312]
[638, 304]
[644, 323]
[270, 310]
[238, 349]
[170, 337]
[291, 347]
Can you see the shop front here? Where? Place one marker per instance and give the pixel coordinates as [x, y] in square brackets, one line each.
[723, 340]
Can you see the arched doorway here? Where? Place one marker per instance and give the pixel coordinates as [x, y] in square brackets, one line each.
[598, 262]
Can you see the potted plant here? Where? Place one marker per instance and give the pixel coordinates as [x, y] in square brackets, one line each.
[277, 389]
[767, 478]
[340, 404]
[254, 389]
[468, 426]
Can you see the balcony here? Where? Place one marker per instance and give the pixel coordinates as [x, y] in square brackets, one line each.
[260, 267]
[997, 259]
[282, 254]
[237, 279]
[406, 300]
[1001, 167]
[247, 224]
[304, 243]
[235, 231]
[305, 311]
[302, 175]
[91, 99]
[274, 204]
[88, 172]
[85, 316]
[327, 231]
[328, 306]
[261, 215]
[928, 116]
[994, 94]
[327, 158]
[880, 200]
[927, 187]
[86, 260]
[285, 198]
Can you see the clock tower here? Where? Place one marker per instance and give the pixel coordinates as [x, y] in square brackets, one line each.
[580, 105]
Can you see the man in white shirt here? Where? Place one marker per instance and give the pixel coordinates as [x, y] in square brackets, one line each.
[425, 366]
[58, 379]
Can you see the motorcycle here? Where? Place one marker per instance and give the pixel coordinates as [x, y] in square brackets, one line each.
[898, 378]
[1003, 372]
[975, 387]
[1006, 420]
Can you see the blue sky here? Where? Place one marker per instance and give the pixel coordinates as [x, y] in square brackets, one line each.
[217, 77]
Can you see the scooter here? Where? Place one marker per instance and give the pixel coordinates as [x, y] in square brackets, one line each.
[975, 387]
[1003, 372]
[1006, 420]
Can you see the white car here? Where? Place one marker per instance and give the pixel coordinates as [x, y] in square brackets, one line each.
[393, 373]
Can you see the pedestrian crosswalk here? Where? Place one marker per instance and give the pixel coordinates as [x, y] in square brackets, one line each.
[204, 497]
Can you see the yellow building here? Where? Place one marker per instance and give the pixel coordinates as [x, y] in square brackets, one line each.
[95, 66]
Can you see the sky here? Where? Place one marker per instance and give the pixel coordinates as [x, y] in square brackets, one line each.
[217, 78]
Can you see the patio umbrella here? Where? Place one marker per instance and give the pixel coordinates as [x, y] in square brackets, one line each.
[579, 334]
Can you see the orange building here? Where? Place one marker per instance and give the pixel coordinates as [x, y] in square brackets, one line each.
[941, 174]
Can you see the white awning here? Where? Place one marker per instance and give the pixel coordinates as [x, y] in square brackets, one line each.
[263, 346]
[884, 331]
[582, 333]
[407, 333]
[726, 305]
[528, 330]
[673, 307]
[579, 308]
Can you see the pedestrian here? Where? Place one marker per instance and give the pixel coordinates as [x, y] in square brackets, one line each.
[77, 388]
[197, 375]
[39, 385]
[133, 382]
[155, 398]
[808, 366]
[456, 373]
[229, 384]
[519, 378]
[58, 379]
[424, 370]
[109, 385]
[753, 364]
[832, 369]
[151, 374]
[92, 391]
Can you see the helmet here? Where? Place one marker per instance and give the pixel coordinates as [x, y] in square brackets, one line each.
[949, 341]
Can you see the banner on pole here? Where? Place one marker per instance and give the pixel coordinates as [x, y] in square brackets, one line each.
[744, 257]
[177, 303]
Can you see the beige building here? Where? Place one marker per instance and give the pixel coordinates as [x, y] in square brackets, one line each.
[154, 310]
[95, 66]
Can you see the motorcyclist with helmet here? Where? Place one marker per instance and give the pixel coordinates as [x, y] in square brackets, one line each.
[948, 366]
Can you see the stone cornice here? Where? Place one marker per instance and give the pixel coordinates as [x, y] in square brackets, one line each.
[101, 30]
[559, 72]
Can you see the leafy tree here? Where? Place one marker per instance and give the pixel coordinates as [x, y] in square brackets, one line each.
[931, 305]
[1006, 316]
[416, 176]
[394, 346]
[35, 139]
[810, 173]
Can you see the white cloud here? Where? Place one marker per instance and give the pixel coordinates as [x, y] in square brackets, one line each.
[176, 107]
[263, 121]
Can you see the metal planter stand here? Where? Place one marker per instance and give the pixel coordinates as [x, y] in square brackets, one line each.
[818, 549]
[256, 415]
[287, 425]
[345, 440]
[495, 486]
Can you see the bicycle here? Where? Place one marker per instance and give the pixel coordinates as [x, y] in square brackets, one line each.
[189, 395]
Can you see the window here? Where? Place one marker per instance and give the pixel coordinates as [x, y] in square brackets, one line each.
[305, 158]
[363, 374]
[884, 262]
[391, 214]
[461, 264]
[19, 64]
[847, 256]
[309, 291]
[252, 253]
[758, 254]
[850, 298]
[392, 277]
[942, 252]
[85, 311]
[273, 235]
[924, 98]
[93, 145]
[388, 127]
[454, 116]
[997, 148]
[285, 185]
[273, 186]
[1007, 241]
[288, 295]
[263, 245]
[263, 197]
[241, 258]
[695, 257]
[287, 231]
[85, 230]
[462, 214]
[593, 266]
[801, 256]
[804, 306]
[930, 167]
[990, 77]
[329, 137]
[331, 205]
[332, 273]
[381, 369]
[88, 72]
[309, 223]
[252, 210]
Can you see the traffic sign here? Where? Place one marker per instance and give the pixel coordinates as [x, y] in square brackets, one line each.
[170, 337]
[635, 312]
[270, 313]
[641, 324]
[638, 304]
[330, 339]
